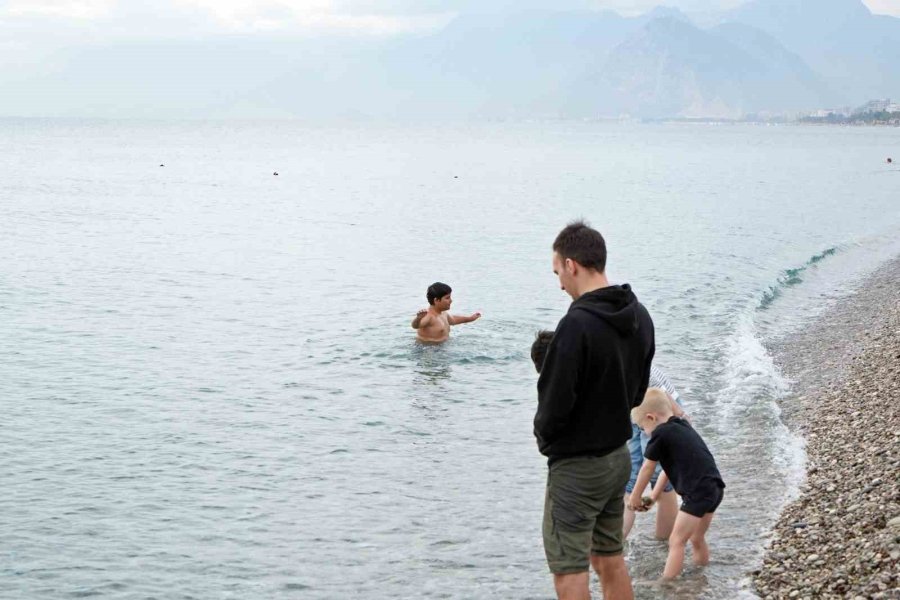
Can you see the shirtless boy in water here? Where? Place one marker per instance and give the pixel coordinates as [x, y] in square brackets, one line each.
[432, 324]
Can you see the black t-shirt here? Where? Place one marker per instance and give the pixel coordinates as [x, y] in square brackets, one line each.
[684, 457]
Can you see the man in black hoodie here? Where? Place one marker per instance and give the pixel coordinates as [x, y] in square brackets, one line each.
[595, 371]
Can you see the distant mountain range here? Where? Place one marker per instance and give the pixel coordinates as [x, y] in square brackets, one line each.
[768, 56]
[671, 68]
[855, 52]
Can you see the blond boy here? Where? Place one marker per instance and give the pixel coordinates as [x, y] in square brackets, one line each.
[689, 465]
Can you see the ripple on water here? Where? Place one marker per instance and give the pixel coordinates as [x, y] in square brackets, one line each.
[175, 350]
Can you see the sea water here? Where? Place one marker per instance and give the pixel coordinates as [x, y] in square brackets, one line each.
[209, 387]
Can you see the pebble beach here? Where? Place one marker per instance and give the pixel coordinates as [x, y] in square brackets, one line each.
[840, 538]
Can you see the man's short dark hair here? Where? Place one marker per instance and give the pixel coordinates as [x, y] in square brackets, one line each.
[582, 244]
[539, 348]
[437, 290]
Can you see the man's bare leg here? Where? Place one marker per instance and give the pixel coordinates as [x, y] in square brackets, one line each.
[613, 577]
[666, 511]
[572, 586]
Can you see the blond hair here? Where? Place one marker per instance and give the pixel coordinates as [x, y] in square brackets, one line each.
[655, 400]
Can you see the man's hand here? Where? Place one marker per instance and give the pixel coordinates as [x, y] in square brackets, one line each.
[475, 316]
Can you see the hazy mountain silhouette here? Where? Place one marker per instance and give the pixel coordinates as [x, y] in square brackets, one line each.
[855, 51]
[575, 64]
[519, 65]
[769, 55]
[671, 68]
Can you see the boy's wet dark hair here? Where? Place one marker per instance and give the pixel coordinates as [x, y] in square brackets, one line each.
[539, 348]
[582, 244]
[437, 290]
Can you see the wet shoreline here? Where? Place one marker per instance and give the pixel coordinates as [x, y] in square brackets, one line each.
[841, 536]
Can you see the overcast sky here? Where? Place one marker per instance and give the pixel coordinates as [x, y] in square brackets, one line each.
[22, 21]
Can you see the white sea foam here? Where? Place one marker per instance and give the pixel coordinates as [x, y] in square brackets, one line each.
[748, 362]
[753, 386]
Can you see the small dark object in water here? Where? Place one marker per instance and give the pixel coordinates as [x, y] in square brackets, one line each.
[890, 160]
[275, 173]
[162, 165]
[456, 177]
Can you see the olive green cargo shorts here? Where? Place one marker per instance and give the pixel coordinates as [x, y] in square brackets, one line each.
[583, 509]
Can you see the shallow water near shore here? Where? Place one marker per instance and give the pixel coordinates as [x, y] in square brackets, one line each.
[210, 387]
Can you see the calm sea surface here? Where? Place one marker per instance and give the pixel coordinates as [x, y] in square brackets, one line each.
[209, 386]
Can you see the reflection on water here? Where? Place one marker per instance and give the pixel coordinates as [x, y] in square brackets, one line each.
[432, 363]
[691, 583]
[201, 371]
[431, 371]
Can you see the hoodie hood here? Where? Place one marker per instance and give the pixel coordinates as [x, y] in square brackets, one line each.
[596, 370]
[616, 304]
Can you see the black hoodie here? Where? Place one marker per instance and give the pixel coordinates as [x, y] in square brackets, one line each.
[596, 370]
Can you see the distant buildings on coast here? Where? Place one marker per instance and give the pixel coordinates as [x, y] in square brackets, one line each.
[874, 112]
[872, 106]
[884, 112]
[875, 106]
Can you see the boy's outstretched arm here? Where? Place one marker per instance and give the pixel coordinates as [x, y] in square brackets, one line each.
[422, 318]
[460, 319]
[643, 478]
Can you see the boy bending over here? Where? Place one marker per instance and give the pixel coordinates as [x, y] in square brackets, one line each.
[689, 464]
[667, 502]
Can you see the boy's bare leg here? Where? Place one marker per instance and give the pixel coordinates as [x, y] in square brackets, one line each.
[685, 527]
[666, 511]
[627, 521]
[698, 541]
[613, 577]
[572, 586]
